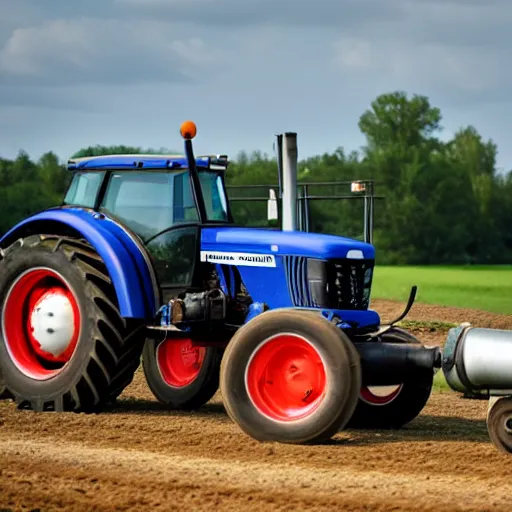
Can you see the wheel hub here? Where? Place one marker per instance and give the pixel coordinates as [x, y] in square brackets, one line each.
[179, 361]
[41, 323]
[508, 424]
[286, 378]
[51, 323]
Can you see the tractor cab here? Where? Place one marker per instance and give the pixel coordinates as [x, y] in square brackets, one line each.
[151, 193]
[162, 201]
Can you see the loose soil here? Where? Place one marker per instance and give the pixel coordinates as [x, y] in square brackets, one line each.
[143, 457]
[389, 309]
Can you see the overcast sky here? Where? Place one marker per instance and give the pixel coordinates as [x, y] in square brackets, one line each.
[78, 73]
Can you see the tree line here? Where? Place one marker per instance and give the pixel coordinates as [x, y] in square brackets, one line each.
[442, 202]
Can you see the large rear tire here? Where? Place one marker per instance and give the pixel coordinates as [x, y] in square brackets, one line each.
[391, 407]
[179, 374]
[64, 345]
[290, 377]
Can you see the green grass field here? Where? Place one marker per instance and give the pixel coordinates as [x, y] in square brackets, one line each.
[486, 288]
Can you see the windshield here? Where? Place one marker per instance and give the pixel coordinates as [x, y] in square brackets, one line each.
[150, 202]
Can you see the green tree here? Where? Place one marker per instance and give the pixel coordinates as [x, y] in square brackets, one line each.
[394, 120]
[444, 202]
[401, 143]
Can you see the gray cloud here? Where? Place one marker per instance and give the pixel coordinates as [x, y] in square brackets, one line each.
[306, 13]
[442, 21]
[146, 41]
[455, 50]
[457, 73]
[63, 52]
[73, 99]
[456, 22]
[28, 12]
[261, 65]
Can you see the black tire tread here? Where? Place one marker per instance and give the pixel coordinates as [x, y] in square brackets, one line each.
[355, 368]
[108, 371]
[348, 360]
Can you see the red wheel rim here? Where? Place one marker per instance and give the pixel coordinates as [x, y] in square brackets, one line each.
[285, 378]
[380, 395]
[179, 361]
[41, 323]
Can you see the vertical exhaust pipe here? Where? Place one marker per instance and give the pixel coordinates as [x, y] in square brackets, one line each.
[289, 172]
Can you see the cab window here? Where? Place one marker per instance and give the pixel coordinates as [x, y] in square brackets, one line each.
[214, 196]
[150, 202]
[84, 188]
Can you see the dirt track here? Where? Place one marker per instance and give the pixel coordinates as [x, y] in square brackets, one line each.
[141, 457]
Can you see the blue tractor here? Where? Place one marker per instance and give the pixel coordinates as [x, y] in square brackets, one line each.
[143, 261]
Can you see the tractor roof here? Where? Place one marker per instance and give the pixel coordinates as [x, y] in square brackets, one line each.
[148, 161]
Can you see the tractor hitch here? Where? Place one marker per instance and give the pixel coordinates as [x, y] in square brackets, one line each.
[408, 306]
[405, 312]
[385, 364]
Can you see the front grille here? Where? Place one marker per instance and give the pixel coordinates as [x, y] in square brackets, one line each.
[297, 278]
[334, 284]
[349, 283]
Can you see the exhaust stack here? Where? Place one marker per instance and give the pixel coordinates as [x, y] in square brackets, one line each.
[289, 181]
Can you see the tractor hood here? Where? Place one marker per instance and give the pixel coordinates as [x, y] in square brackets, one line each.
[285, 243]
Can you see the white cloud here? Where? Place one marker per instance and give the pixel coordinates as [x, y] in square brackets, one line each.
[459, 73]
[99, 67]
[354, 53]
[100, 51]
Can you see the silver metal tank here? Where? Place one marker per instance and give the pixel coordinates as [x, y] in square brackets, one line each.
[477, 359]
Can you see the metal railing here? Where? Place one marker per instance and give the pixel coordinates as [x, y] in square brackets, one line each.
[362, 190]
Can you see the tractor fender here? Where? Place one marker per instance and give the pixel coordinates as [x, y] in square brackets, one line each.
[126, 259]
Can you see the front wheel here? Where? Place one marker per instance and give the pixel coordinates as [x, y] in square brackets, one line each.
[391, 407]
[290, 377]
[180, 374]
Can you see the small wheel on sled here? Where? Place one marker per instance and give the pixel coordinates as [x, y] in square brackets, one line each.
[499, 424]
